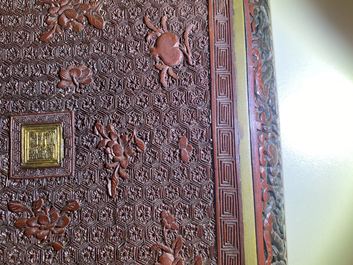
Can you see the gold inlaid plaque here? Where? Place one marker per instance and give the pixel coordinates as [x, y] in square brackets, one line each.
[41, 145]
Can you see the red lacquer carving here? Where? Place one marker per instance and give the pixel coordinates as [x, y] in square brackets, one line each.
[171, 253]
[185, 149]
[71, 14]
[120, 148]
[225, 135]
[167, 49]
[268, 185]
[127, 91]
[43, 222]
[75, 77]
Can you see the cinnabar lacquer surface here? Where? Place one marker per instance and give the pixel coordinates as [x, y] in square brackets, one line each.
[150, 85]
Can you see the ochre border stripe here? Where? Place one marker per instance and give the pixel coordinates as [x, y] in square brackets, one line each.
[245, 165]
[256, 169]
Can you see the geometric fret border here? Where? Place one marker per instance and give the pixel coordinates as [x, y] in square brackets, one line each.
[228, 208]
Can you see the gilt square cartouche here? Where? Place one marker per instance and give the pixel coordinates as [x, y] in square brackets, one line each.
[41, 145]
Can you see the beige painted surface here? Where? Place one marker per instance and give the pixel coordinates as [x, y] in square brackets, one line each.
[314, 62]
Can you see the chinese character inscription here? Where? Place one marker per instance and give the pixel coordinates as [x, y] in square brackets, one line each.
[42, 145]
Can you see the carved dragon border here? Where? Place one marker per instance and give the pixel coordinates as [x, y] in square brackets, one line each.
[265, 137]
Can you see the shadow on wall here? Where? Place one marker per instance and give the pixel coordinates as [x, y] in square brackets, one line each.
[332, 38]
[339, 15]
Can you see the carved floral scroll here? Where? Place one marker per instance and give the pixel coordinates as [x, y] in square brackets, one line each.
[75, 77]
[43, 223]
[120, 148]
[185, 149]
[71, 14]
[171, 250]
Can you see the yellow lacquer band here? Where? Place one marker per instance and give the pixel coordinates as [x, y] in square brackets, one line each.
[240, 62]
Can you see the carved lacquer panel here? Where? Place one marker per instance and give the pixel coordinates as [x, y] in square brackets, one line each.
[150, 85]
[119, 133]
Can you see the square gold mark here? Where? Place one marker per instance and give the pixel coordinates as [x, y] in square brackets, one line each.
[42, 145]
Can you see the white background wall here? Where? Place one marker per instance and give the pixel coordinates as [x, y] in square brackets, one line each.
[314, 66]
